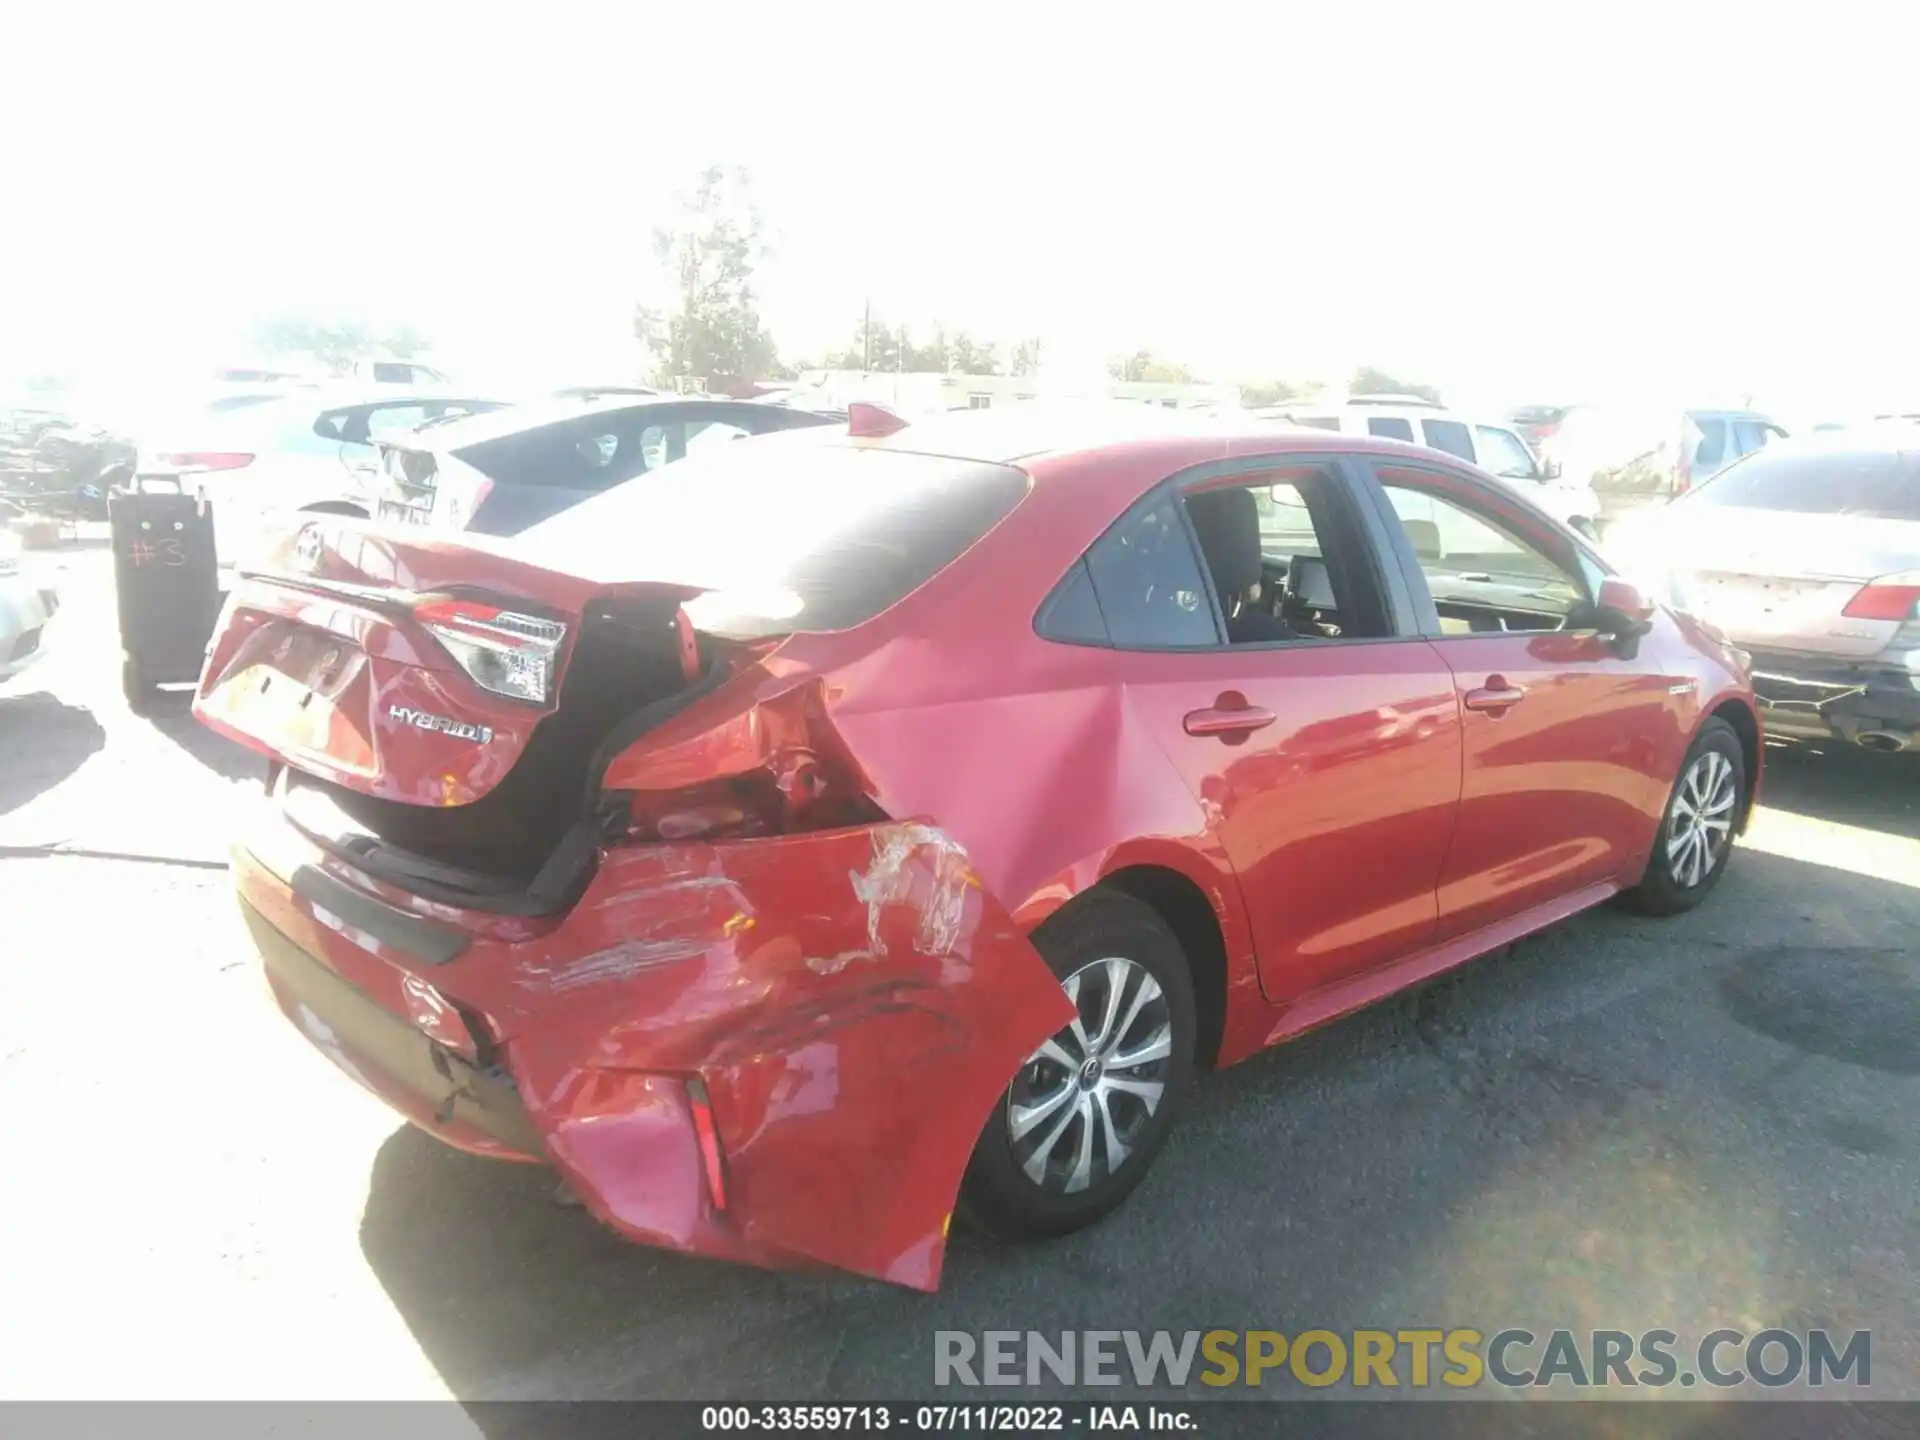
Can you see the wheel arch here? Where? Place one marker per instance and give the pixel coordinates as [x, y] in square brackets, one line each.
[1745, 723]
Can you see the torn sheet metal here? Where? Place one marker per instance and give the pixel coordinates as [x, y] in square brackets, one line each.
[853, 1000]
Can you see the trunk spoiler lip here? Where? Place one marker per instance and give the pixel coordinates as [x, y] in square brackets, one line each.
[404, 600]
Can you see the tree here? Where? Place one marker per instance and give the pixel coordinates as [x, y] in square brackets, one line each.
[888, 349]
[1145, 365]
[713, 327]
[1026, 358]
[1368, 380]
[337, 344]
[1256, 393]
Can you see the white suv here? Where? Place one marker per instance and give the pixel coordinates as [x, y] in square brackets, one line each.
[1496, 449]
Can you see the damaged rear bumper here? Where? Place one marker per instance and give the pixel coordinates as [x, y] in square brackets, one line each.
[779, 1051]
[1858, 703]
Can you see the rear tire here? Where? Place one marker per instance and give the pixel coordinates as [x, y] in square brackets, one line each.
[1695, 839]
[1080, 1125]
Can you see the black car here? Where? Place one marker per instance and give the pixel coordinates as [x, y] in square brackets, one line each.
[500, 473]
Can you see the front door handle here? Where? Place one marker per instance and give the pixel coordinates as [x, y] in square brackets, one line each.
[1228, 724]
[1496, 695]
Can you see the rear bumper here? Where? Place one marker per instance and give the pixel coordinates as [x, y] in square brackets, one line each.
[1805, 696]
[436, 1088]
[847, 1007]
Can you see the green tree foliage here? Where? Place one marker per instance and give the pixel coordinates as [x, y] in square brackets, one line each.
[876, 345]
[338, 343]
[1145, 365]
[1368, 380]
[1026, 357]
[710, 253]
[1255, 393]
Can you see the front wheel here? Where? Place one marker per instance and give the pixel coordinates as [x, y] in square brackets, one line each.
[1081, 1123]
[1695, 839]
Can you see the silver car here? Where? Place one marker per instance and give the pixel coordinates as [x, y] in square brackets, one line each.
[1807, 555]
[26, 604]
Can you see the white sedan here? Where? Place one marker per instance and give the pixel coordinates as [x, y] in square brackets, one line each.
[261, 458]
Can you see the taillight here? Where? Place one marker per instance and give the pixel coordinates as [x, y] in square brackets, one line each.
[206, 460]
[501, 650]
[1891, 597]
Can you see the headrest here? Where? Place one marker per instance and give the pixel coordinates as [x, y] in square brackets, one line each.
[1228, 524]
[1309, 582]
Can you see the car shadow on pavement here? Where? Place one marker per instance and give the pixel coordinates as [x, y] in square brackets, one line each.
[1844, 784]
[43, 740]
[170, 713]
[1616, 1122]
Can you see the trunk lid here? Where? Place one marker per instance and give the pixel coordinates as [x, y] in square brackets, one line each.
[1776, 579]
[418, 670]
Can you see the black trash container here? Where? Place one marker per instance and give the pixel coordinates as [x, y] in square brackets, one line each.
[167, 578]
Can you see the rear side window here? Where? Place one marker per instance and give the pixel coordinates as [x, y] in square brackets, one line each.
[1879, 485]
[1451, 436]
[593, 453]
[786, 533]
[1390, 427]
[1147, 579]
[1712, 448]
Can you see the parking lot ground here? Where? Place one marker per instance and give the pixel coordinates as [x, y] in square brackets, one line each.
[1621, 1123]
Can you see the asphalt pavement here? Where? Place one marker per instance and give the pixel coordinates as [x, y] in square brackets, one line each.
[1625, 1123]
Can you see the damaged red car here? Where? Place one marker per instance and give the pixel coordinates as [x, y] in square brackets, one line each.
[859, 824]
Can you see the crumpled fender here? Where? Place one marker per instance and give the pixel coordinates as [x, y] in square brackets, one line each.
[855, 1003]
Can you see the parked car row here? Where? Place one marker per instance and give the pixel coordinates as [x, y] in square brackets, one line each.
[1495, 448]
[1630, 457]
[793, 839]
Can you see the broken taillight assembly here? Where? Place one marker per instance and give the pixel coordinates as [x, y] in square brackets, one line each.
[502, 651]
[1890, 597]
[707, 1133]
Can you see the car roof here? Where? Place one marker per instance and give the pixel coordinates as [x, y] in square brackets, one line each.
[1020, 434]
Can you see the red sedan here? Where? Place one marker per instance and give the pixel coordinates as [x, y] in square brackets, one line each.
[855, 824]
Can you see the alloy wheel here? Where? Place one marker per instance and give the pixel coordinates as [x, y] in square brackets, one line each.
[1702, 820]
[1085, 1097]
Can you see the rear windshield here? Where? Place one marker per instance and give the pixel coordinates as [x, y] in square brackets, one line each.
[1879, 484]
[786, 533]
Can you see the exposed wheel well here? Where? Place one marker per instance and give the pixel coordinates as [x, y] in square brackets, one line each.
[335, 507]
[1187, 912]
[1747, 729]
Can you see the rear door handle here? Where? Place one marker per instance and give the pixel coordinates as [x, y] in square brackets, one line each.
[1496, 695]
[1228, 724]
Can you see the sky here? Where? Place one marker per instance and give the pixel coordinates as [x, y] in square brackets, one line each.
[1541, 202]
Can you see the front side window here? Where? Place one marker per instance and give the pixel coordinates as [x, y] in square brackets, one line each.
[1503, 454]
[1390, 427]
[1148, 581]
[1482, 575]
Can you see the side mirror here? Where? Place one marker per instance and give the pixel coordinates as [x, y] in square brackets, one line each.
[1620, 613]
